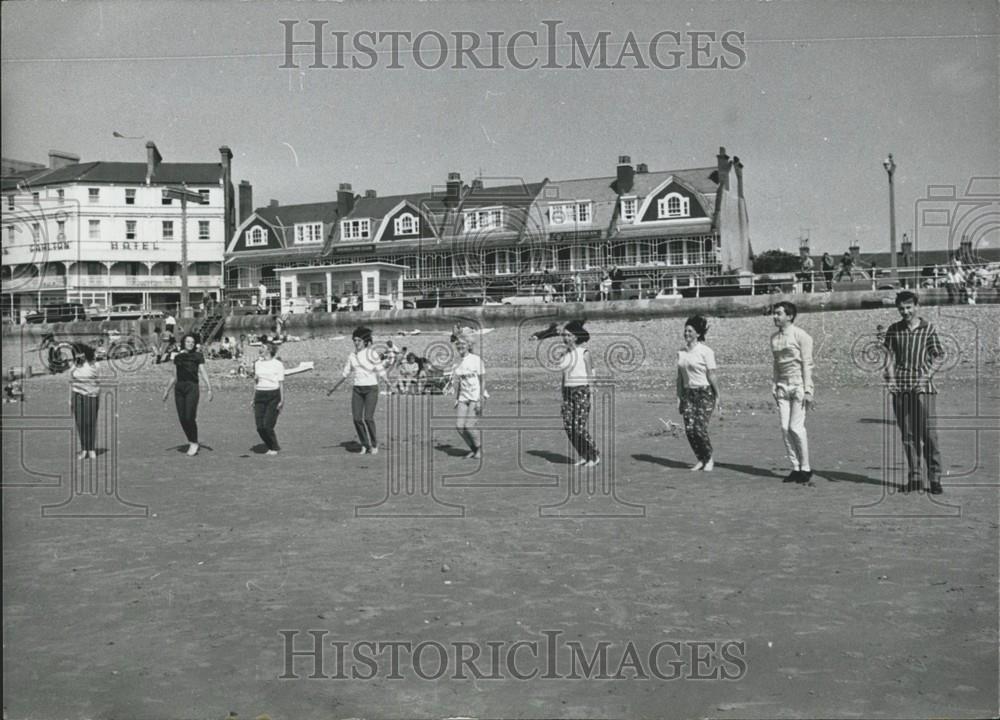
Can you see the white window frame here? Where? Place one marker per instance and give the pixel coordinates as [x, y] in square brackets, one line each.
[205, 232]
[308, 233]
[93, 229]
[663, 211]
[633, 201]
[484, 218]
[576, 212]
[255, 237]
[61, 194]
[94, 195]
[131, 227]
[168, 225]
[130, 196]
[205, 196]
[406, 224]
[60, 229]
[359, 229]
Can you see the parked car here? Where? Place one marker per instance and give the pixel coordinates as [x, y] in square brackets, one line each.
[58, 312]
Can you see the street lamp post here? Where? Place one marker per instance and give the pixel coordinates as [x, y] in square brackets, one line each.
[890, 167]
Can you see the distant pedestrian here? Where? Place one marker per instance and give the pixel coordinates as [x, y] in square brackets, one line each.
[606, 285]
[170, 324]
[577, 375]
[190, 365]
[85, 400]
[792, 348]
[914, 356]
[262, 298]
[806, 274]
[364, 367]
[268, 399]
[697, 390]
[828, 265]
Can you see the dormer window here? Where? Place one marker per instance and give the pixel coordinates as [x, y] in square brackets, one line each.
[570, 213]
[407, 224]
[673, 205]
[629, 208]
[356, 229]
[308, 233]
[484, 219]
[256, 236]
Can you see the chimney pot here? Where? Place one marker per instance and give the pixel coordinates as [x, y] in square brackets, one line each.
[370, 193]
[344, 187]
[624, 160]
[345, 199]
[454, 176]
[273, 203]
[642, 168]
[477, 184]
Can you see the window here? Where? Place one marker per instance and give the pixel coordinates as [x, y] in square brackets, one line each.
[254, 236]
[94, 229]
[204, 196]
[168, 229]
[130, 196]
[94, 195]
[130, 229]
[355, 229]
[630, 206]
[407, 224]
[677, 252]
[570, 213]
[308, 233]
[34, 198]
[673, 205]
[61, 194]
[484, 219]
[36, 232]
[60, 229]
[166, 200]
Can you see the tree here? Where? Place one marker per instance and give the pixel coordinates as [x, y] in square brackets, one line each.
[775, 261]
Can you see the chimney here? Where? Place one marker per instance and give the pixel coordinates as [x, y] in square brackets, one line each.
[345, 199]
[59, 159]
[906, 251]
[453, 189]
[723, 168]
[228, 195]
[625, 174]
[855, 251]
[477, 184]
[245, 200]
[153, 159]
[738, 166]
[642, 169]
[273, 203]
[804, 247]
[370, 193]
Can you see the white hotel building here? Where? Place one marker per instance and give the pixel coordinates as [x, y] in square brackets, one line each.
[102, 233]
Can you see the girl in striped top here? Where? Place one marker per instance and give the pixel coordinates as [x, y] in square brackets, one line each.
[85, 399]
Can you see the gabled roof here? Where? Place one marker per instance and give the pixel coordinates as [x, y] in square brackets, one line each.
[377, 208]
[128, 174]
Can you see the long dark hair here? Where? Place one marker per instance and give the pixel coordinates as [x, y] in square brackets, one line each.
[699, 325]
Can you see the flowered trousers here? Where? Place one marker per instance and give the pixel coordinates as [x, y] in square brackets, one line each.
[576, 417]
[696, 408]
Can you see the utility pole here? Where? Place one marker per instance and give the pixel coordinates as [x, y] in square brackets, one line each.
[183, 194]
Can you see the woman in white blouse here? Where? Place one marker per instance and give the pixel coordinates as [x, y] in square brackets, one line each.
[364, 366]
[467, 379]
[577, 373]
[697, 390]
[268, 398]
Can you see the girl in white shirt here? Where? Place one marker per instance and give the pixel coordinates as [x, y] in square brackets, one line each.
[577, 372]
[268, 398]
[85, 399]
[364, 367]
[467, 379]
[697, 390]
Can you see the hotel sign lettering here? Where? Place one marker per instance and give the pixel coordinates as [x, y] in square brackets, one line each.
[580, 235]
[134, 245]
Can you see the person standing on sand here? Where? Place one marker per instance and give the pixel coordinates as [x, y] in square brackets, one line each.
[190, 364]
[697, 390]
[467, 379]
[792, 348]
[269, 397]
[914, 356]
[364, 367]
[576, 396]
[85, 400]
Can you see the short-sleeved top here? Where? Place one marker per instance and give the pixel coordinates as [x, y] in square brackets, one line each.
[695, 363]
[365, 366]
[187, 362]
[914, 354]
[466, 374]
[270, 373]
[84, 378]
[793, 358]
[574, 367]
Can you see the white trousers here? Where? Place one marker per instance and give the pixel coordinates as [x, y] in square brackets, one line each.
[792, 415]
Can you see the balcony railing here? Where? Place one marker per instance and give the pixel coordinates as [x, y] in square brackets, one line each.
[143, 281]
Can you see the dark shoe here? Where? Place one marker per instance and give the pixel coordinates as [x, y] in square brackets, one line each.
[793, 476]
[911, 486]
[805, 476]
[936, 488]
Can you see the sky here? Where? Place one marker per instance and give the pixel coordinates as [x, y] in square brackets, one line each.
[822, 92]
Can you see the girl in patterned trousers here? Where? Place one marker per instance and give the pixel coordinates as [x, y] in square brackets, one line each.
[697, 390]
[576, 369]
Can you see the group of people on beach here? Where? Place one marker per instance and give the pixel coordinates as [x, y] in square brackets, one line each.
[913, 354]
